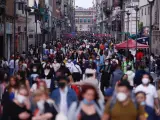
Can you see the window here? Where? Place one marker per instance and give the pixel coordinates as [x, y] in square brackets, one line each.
[80, 20]
[142, 11]
[148, 10]
[30, 36]
[89, 20]
[20, 5]
[145, 11]
[85, 20]
[76, 20]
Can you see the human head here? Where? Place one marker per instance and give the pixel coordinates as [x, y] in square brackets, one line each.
[22, 94]
[123, 91]
[145, 79]
[13, 82]
[89, 93]
[140, 97]
[124, 77]
[108, 93]
[40, 94]
[62, 82]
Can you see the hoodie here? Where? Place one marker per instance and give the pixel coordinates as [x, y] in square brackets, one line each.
[131, 76]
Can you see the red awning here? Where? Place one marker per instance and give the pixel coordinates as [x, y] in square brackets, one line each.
[131, 44]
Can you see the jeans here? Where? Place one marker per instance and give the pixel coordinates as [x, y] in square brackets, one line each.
[11, 71]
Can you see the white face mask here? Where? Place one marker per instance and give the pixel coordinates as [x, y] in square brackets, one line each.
[40, 105]
[106, 63]
[121, 97]
[34, 70]
[21, 98]
[145, 81]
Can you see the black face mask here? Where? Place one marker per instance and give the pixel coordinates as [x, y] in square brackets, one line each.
[62, 85]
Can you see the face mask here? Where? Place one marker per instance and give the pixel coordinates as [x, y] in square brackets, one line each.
[98, 58]
[40, 105]
[21, 98]
[145, 81]
[34, 70]
[143, 103]
[106, 63]
[121, 97]
[88, 103]
[62, 85]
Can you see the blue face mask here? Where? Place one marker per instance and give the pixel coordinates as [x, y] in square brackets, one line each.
[88, 103]
[143, 103]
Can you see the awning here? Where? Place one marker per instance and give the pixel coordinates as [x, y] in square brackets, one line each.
[130, 44]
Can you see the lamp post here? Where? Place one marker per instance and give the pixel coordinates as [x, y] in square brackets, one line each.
[128, 14]
[136, 9]
[151, 2]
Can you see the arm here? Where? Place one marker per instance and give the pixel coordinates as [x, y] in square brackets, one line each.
[105, 117]
[45, 116]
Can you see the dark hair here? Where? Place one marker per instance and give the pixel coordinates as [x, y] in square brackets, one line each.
[126, 84]
[10, 86]
[141, 92]
[85, 88]
[129, 67]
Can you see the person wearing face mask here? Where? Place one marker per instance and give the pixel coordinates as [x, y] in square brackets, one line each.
[47, 75]
[98, 65]
[151, 93]
[33, 74]
[89, 107]
[69, 65]
[19, 108]
[45, 107]
[105, 70]
[63, 96]
[141, 99]
[122, 106]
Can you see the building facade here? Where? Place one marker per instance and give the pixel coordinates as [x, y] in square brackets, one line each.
[84, 19]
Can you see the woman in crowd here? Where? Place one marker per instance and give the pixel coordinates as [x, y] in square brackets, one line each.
[19, 108]
[21, 77]
[89, 108]
[45, 107]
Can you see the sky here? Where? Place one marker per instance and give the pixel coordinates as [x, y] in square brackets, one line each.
[84, 3]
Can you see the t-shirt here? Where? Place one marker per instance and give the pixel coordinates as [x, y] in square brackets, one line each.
[127, 112]
[151, 93]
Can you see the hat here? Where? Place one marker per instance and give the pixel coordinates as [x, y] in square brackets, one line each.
[109, 92]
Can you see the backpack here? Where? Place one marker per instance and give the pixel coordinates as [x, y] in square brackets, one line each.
[114, 100]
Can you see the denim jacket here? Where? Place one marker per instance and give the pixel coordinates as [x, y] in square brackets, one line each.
[71, 96]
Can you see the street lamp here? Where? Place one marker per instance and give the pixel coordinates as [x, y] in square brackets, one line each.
[151, 2]
[128, 14]
[136, 9]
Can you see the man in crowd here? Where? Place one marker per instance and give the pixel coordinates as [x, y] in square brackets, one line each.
[122, 107]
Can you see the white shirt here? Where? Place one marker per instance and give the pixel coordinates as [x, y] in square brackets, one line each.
[11, 64]
[69, 66]
[151, 93]
[63, 102]
[56, 66]
[76, 69]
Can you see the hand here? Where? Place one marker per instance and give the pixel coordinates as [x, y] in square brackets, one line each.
[27, 104]
[157, 112]
[24, 116]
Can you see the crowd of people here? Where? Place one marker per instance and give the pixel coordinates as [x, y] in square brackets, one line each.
[78, 79]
